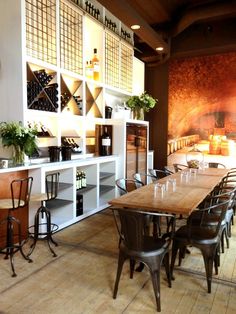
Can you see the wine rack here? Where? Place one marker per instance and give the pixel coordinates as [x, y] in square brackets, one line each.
[42, 89]
[40, 18]
[112, 60]
[126, 68]
[94, 100]
[71, 91]
[71, 39]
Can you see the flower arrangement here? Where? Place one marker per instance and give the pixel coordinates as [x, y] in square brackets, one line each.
[143, 103]
[22, 139]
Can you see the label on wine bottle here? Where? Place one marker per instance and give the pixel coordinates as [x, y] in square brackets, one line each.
[96, 67]
[106, 142]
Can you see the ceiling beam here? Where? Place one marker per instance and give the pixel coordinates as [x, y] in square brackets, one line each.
[197, 14]
[129, 16]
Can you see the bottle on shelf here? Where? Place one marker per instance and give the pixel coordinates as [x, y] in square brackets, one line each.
[105, 143]
[44, 130]
[89, 70]
[96, 65]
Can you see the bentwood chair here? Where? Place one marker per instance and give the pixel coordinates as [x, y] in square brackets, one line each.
[45, 230]
[20, 196]
[202, 235]
[137, 246]
[143, 178]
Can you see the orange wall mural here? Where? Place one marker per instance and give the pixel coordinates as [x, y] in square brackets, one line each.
[202, 96]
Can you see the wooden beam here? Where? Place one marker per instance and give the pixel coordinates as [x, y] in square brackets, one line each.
[129, 16]
[203, 13]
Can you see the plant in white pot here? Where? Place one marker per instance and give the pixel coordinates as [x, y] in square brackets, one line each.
[23, 140]
[141, 104]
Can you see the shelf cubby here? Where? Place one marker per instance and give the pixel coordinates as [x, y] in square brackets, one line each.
[71, 95]
[94, 100]
[42, 88]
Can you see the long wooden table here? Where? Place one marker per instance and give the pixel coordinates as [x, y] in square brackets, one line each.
[183, 200]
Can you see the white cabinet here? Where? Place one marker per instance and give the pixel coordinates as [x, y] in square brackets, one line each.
[71, 204]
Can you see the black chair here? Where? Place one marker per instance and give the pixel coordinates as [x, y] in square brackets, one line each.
[137, 246]
[144, 178]
[179, 167]
[44, 230]
[20, 196]
[157, 173]
[202, 235]
[215, 165]
[127, 185]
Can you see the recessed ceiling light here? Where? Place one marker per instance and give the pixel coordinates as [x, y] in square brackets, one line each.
[159, 48]
[135, 26]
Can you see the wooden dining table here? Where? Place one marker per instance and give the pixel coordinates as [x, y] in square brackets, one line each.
[183, 200]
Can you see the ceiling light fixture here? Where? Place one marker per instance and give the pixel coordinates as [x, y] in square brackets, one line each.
[160, 48]
[135, 26]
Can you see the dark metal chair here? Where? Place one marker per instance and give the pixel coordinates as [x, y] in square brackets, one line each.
[215, 165]
[179, 167]
[127, 185]
[144, 178]
[203, 231]
[20, 195]
[157, 173]
[137, 246]
[44, 230]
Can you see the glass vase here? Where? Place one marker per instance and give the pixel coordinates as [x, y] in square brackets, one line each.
[18, 155]
[138, 114]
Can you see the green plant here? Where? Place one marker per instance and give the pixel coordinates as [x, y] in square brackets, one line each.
[144, 101]
[21, 138]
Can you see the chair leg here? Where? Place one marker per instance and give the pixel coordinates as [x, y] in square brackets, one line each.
[173, 258]
[156, 287]
[121, 261]
[132, 264]
[208, 261]
[166, 261]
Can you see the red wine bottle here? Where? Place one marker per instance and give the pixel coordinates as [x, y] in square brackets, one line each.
[105, 143]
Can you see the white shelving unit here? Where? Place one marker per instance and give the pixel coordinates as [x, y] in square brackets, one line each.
[47, 44]
[101, 174]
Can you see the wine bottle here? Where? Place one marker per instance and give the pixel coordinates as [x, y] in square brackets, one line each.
[96, 65]
[105, 143]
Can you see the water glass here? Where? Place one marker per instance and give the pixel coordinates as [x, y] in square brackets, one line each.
[184, 176]
[159, 189]
[172, 184]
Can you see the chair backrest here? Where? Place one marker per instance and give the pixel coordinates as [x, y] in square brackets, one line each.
[157, 173]
[179, 167]
[20, 192]
[215, 165]
[143, 178]
[214, 207]
[52, 185]
[127, 185]
[131, 227]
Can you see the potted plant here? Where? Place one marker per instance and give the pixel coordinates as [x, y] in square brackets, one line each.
[141, 104]
[23, 140]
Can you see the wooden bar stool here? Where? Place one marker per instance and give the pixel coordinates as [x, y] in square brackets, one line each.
[20, 195]
[44, 230]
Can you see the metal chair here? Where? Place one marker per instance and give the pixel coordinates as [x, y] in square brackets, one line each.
[20, 195]
[44, 230]
[157, 173]
[137, 246]
[215, 165]
[179, 167]
[127, 185]
[198, 233]
[144, 178]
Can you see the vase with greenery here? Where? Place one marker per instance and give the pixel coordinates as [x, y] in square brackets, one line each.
[141, 104]
[23, 140]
